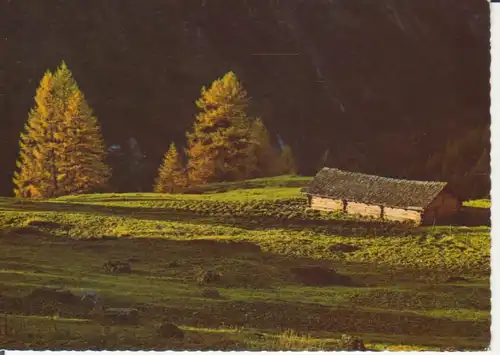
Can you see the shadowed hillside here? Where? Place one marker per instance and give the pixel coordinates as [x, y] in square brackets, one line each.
[355, 75]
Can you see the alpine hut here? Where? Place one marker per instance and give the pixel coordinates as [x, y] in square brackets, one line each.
[422, 202]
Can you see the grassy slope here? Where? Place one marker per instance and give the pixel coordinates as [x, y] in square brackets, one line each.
[252, 233]
[478, 203]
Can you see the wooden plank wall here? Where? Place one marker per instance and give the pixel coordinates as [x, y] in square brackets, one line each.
[441, 209]
[449, 205]
[398, 214]
[364, 209]
[326, 204]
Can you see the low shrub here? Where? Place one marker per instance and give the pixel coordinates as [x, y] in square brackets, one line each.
[173, 263]
[351, 343]
[208, 276]
[117, 267]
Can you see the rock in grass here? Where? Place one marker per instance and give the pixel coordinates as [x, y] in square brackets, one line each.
[170, 330]
[208, 276]
[351, 343]
[210, 293]
[91, 297]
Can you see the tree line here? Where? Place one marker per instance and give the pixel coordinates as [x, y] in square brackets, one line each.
[62, 151]
[463, 162]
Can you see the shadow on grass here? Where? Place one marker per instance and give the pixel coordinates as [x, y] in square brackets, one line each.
[267, 315]
[474, 216]
[343, 227]
[168, 256]
[306, 317]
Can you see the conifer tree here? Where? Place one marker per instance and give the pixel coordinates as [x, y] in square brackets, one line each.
[220, 147]
[33, 178]
[82, 168]
[479, 176]
[323, 161]
[61, 150]
[287, 161]
[267, 158]
[171, 175]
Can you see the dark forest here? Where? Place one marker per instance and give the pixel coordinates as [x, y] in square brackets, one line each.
[394, 88]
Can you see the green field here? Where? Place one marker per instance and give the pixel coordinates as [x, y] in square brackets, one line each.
[478, 203]
[402, 288]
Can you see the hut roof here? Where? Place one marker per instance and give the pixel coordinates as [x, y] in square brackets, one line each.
[372, 189]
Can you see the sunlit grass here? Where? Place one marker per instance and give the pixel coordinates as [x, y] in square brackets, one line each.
[252, 233]
[478, 203]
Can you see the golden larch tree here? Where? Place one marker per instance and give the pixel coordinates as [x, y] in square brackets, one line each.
[172, 173]
[82, 168]
[33, 177]
[61, 151]
[220, 146]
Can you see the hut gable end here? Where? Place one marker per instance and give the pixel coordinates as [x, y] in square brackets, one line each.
[442, 208]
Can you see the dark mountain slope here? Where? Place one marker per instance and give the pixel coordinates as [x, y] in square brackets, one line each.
[383, 84]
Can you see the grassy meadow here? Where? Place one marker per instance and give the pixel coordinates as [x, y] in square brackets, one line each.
[402, 288]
